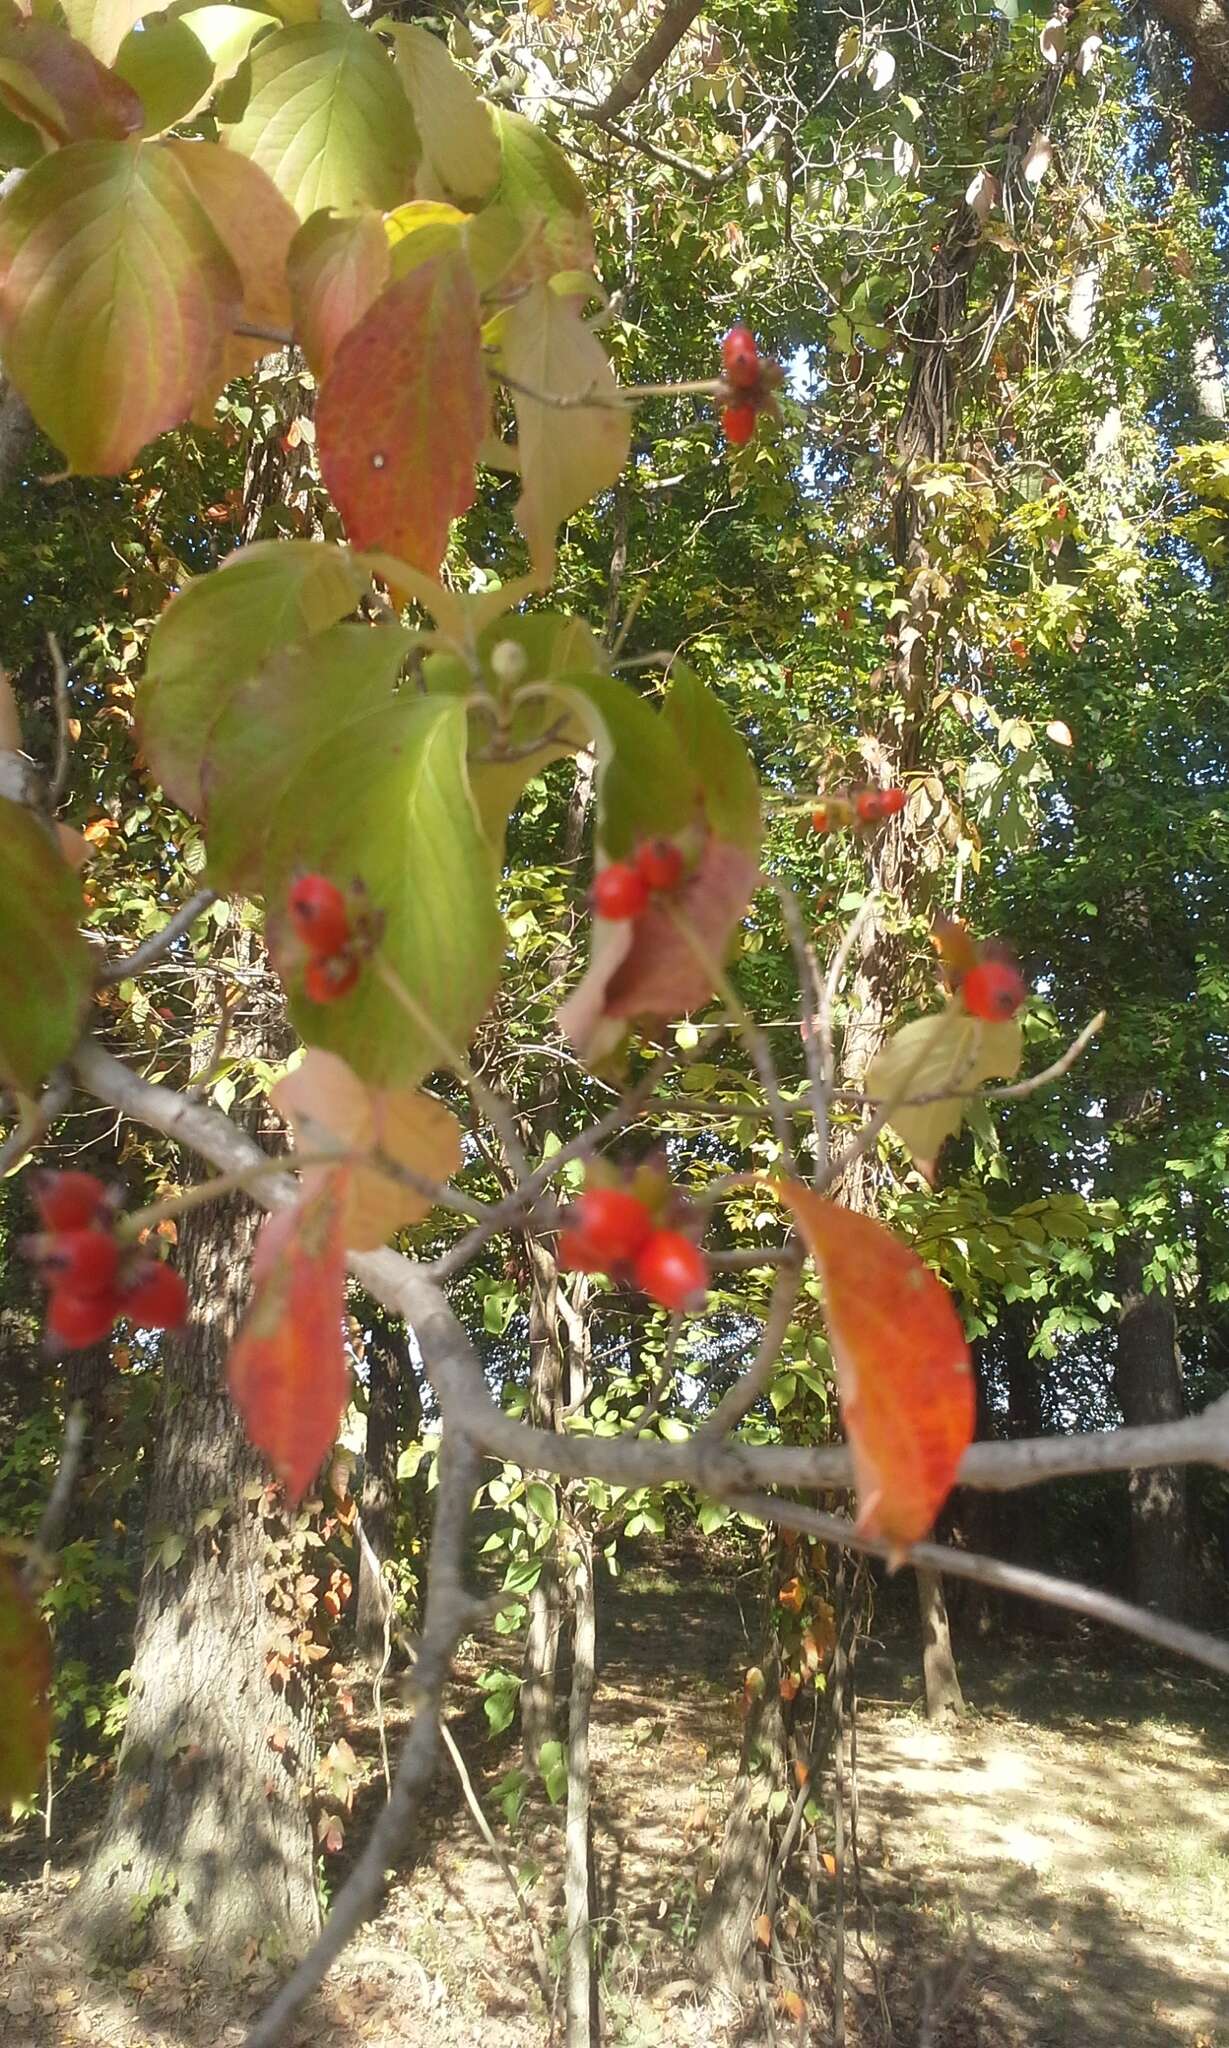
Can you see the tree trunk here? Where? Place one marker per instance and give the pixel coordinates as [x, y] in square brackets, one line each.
[1148, 1383]
[724, 1943]
[546, 1405]
[944, 1699]
[207, 1842]
[582, 2010]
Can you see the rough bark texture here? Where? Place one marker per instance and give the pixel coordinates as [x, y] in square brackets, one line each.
[1202, 28]
[207, 1842]
[1148, 1383]
[724, 1944]
[581, 2005]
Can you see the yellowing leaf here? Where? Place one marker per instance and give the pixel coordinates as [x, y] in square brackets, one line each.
[116, 298]
[324, 1095]
[903, 1370]
[336, 270]
[53, 82]
[45, 964]
[403, 412]
[458, 134]
[571, 452]
[327, 119]
[257, 227]
[102, 24]
[943, 1056]
[25, 1681]
[287, 1371]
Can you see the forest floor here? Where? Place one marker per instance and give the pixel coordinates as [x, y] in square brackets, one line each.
[1053, 1873]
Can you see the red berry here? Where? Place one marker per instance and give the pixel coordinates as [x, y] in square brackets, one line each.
[327, 979]
[993, 990]
[619, 892]
[319, 914]
[156, 1297]
[738, 423]
[891, 801]
[740, 358]
[67, 1201]
[659, 864]
[82, 1261]
[576, 1254]
[673, 1270]
[869, 806]
[75, 1320]
[820, 819]
[613, 1223]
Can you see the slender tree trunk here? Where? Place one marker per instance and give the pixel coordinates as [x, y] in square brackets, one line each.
[583, 2025]
[724, 1943]
[207, 1842]
[944, 1699]
[1148, 1382]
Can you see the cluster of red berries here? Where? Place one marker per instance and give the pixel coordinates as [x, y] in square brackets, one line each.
[611, 1230]
[91, 1277]
[993, 990]
[623, 887]
[750, 380]
[335, 942]
[868, 807]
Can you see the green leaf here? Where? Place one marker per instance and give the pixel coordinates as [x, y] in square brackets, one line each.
[543, 1500]
[421, 229]
[319, 763]
[403, 412]
[45, 964]
[542, 195]
[116, 297]
[646, 784]
[226, 34]
[552, 1764]
[222, 629]
[949, 1049]
[168, 68]
[712, 745]
[327, 119]
[25, 1683]
[459, 141]
[567, 454]
[102, 24]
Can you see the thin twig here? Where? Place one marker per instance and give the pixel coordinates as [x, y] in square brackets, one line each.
[743, 1396]
[30, 1129]
[51, 1526]
[63, 711]
[514, 1886]
[827, 1004]
[158, 943]
[804, 962]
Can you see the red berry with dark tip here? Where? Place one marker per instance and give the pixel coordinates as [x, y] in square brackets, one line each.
[740, 358]
[891, 801]
[613, 1223]
[67, 1201]
[993, 990]
[156, 1297]
[673, 1270]
[659, 864]
[75, 1320]
[81, 1261]
[319, 913]
[328, 979]
[619, 892]
[738, 423]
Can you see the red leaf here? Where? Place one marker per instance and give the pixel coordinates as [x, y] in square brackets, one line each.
[650, 968]
[25, 1677]
[903, 1368]
[52, 81]
[337, 269]
[287, 1369]
[403, 411]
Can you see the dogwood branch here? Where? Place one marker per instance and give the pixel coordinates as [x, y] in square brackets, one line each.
[159, 943]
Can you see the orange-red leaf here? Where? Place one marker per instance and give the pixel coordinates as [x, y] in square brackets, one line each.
[52, 81]
[25, 1679]
[403, 412]
[337, 269]
[903, 1368]
[287, 1370]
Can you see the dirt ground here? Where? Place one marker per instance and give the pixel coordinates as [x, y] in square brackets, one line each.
[1052, 1874]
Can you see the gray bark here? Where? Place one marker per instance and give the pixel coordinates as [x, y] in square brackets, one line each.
[724, 1944]
[944, 1699]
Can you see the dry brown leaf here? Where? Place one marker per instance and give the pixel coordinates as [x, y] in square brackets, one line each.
[408, 1126]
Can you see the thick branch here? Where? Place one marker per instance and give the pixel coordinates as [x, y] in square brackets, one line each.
[649, 58]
